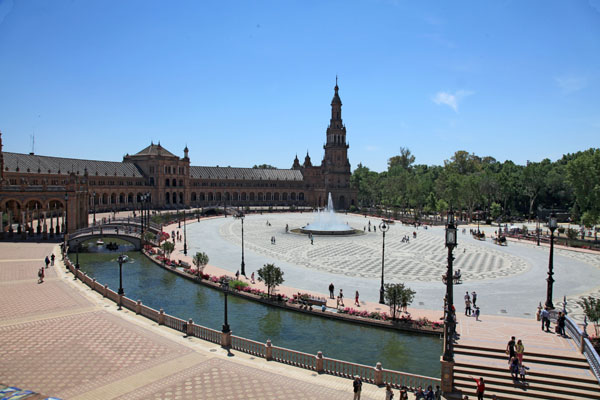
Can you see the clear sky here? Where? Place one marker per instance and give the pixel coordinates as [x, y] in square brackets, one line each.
[250, 82]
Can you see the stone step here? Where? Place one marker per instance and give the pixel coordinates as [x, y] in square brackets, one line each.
[579, 357]
[558, 386]
[532, 378]
[549, 392]
[527, 358]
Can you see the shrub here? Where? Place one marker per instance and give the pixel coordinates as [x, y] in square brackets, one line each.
[238, 285]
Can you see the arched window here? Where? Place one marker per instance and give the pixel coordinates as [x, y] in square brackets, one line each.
[276, 196]
[167, 198]
[202, 197]
[252, 197]
[243, 196]
[260, 196]
[174, 182]
[293, 196]
[210, 197]
[167, 182]
[193, 196]
[301, 196]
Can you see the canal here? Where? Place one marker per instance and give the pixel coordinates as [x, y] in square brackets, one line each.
[159, 288]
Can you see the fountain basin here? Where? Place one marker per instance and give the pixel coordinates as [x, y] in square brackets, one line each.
[344, 232]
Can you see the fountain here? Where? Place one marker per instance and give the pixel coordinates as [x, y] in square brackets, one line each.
[326, 222]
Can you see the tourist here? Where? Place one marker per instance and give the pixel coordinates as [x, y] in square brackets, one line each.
[522, 371]
[560, 323]
[311, 240]
[438, 392]
[514, 367]
[252, 278]
[356, 302]
[519, 350]
[545, 315]
[341, 295]
[474, 297]
[237, 274]
[389, 395]
[41, 275]
[480, 387]
[47, 261]
[419, 394]
[403, 393]
[477, 314]
[510, 348]
[52, 259]
[357, 386]
[467, 304]
[429, 393]
[331, 289]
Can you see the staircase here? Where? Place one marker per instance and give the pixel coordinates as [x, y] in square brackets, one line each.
[549, 376]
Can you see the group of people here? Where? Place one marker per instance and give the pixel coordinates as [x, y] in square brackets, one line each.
[560, 321]
[420, 394]
[176, 236]
[471, 307]
[514, 351]
[340, 297]
[49, 260]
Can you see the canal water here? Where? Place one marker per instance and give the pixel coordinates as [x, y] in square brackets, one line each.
[159, 288]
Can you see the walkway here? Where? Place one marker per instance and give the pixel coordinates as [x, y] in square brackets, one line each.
[61, 339]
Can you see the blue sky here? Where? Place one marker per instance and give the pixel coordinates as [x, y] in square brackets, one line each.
[244, 83]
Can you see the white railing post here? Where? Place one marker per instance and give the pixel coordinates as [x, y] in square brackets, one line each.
[320, 361]
[269, 350]
[378, 374]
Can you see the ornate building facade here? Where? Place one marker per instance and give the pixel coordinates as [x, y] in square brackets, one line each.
[51, 188]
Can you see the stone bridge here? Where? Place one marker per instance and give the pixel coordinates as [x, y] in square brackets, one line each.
[129, 230]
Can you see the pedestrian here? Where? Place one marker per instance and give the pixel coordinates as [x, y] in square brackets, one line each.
[522, 371]
[341, 295]
[438, 392]
[237, 274]
[545, 315]
[429, 393]
[356, 302]
[480, 387]
[510, 348]
[389, 395]
[514, 368]
[357, 385]
[331, 289]
[467, 306]
[519, 350]
[252, 278]
[47, 261]
[477, 314]
[41, 275]
[52, 259]
[560, 323]
[474, 296]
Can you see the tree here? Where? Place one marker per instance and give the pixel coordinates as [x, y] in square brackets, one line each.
[404, 160]
[200, 261]
[495, 210]
[591, 308]
[168, 248]
[149, 237]
[398, 296]
[271, 275]
[263, 166]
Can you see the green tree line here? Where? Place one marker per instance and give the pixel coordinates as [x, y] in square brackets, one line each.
[471, 183]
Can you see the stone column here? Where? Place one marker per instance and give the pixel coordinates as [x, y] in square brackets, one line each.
[269, 350]
[226, 339]
[190, 328]
[23, 225]
[447, 376]
[138, 307]
[320, 362]
[45, 227]
[378, 374]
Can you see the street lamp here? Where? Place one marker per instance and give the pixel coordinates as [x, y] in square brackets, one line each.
[383, 227]
[66, 221]
[552, 224]
[94, 205]
[121, 292]
[241, 217]
[184, 236]
[225, 287]
[449, 322]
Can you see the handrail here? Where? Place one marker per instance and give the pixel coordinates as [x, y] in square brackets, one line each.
[399, 379]
[585, 346]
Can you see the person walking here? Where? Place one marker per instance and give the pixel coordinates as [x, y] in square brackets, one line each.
[356, 302]
[389, 395]
[519, 350]
[252, 277]
[52, 259]
[477, 311]
[474, 296]
[560, 323]
[47, 261]
[331, 290]
[357, 385]
[467, 305]
[510, 348]
[480, 387]
[41, 275]
[545, 319]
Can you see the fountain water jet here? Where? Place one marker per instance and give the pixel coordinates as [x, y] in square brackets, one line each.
[326, 222]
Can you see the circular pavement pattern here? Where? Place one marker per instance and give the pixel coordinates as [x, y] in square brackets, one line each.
[421, 259]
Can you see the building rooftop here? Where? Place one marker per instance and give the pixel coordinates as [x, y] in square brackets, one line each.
[255, 174]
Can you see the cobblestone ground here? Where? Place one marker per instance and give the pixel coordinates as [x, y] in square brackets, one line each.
[61, 339]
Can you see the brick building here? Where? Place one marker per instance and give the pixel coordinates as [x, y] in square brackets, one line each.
[42, 187]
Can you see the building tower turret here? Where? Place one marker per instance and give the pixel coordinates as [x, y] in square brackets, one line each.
[336, 148]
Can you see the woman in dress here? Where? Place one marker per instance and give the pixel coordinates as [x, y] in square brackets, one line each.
[519, 350]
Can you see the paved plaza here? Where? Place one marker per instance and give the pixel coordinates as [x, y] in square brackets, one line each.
[510, 280]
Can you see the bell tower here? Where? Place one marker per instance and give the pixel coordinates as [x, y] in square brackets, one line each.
[336, 148]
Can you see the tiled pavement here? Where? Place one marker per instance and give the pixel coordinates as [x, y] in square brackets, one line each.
[62, 339]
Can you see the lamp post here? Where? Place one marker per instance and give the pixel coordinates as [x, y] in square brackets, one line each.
[184, 236]
[552, 224]
[121, 292]
[94, 206]
[77, 259]
[383, 227]
[537, 229]
[66, 220]
[449, 322]
[241, 217]
[225, 287]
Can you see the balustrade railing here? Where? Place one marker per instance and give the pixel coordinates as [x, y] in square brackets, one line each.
[348, 370]
[585, 346]
[207, 334]
[128, 303]
[295, 358]
[398, 379]
[248, 346]
[175, 323]
[149, 313]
